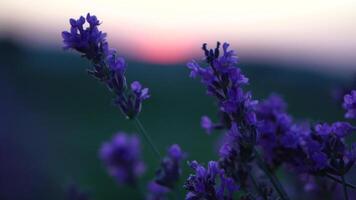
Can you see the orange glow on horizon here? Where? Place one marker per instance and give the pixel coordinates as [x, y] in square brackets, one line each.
[167, 32]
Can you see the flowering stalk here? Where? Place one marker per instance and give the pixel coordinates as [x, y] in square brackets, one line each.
[317, 151]
[143, 131]
[276, 184]
[236, 109]
[340, 181]
[344, 187]
[167, 175]
[108, 68]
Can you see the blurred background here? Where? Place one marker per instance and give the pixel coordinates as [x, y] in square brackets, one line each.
[54, 117]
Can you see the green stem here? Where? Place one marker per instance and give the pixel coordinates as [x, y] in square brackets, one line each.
[276, 184]
[345, 188]
[340, 181]
[143, 132]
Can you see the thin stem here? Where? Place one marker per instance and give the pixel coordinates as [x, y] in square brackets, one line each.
[340, 181]
[345, 188]
[276, 184]
[142, 130]
[255, 184]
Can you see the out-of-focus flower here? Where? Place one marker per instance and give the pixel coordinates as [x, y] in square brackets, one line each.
[122, 158]
[350, 105]
[276, 136]
[169, 173]
[209, 183]
[207, 124]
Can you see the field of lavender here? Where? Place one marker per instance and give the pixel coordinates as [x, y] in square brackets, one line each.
[67, 135]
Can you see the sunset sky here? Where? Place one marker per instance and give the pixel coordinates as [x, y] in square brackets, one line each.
[164, 31]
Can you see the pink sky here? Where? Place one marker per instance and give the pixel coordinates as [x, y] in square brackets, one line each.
[163, 31]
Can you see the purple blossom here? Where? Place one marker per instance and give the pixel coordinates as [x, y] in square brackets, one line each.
[323, 129]
[209, 183]
[350, 105]
[289, 140]
[207, 124]
[276, 135]
[170, 171]
[315, 151]
[108, 67]
[325, 149]
[342, 129]
[320, 160]
[89, 41]
[225, 82]
[122, 158]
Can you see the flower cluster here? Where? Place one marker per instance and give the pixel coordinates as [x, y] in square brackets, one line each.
[317, 150]
[108, 67]
[89, 41]
[209, 183]
[225, 81]
[122, 158]
[167, 176]
[350, 105]
[267, 125]
[170, 170]
[277, 135]
[327, 150]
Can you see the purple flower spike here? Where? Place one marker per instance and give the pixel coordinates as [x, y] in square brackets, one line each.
[276, 136]
[122, 158]
[89, 41]
[170, 171]
[225, 82]
[108, 67]
[209, 183]
[350, 105]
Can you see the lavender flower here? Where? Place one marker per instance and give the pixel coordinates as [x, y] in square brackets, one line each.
[108, 67]
[326, 147]
[225, 81]
[89, 41]
[350, 105]
[209, 183]
[318, 151]
[276, 137]
[170, 171]
[315, 151]
[122, 158]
